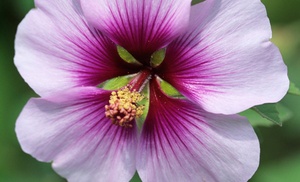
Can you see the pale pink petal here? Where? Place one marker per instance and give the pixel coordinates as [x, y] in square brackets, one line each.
[70, 129]
[56, 49]
[225, 62]
[140, 26]
[181, 142]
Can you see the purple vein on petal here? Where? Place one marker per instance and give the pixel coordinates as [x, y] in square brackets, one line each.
[64, 51]
[141, 27]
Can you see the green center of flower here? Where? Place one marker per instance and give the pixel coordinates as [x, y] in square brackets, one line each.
[123, 106]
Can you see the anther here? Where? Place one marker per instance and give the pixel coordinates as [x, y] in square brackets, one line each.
[123, 107]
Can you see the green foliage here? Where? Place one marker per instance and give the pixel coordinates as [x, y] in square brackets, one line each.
[267, 115]
[145, 102]
[115, 83]
[169, 89]
[196, 1]
[158, 57]
[293, 89]
[269, 112]
[285, 169]
[136, 178]
[126, 56]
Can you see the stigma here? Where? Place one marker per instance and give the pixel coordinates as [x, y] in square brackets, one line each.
[123, 107]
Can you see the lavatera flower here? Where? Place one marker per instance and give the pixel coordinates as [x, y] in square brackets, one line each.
[218, 56]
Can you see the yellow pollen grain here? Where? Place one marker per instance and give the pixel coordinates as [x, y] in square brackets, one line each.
[123, 106]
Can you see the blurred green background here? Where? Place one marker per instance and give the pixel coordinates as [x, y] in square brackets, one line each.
[280, 146]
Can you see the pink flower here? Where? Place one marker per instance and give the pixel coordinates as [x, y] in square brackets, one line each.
[218, 56]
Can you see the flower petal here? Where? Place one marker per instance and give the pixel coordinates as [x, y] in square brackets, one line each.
[56, 49]
[71, 129]
[225, 62]
[181, 142]
[140, 26]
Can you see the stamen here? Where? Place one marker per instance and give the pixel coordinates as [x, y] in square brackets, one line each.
[123, 106]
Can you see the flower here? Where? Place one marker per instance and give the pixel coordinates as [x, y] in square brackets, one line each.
[218, 56]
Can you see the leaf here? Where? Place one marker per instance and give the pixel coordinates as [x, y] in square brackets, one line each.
[269, 112]
[157, 57]
[169, 89]
[140, 121]
[196, 1]
[115, 83]
[256, 119]
[294, 89]
[136, 178]
[126, 56]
